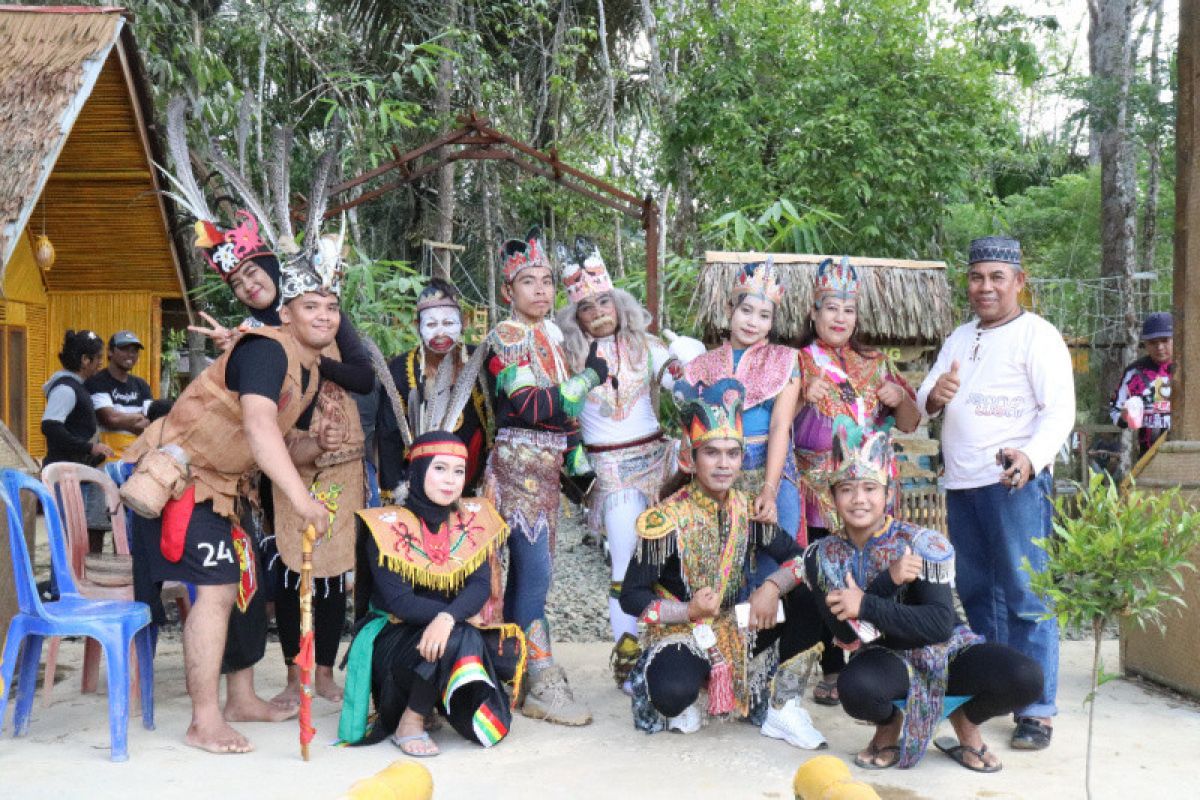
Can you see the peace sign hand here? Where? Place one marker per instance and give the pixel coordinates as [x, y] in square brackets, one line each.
[223, 337]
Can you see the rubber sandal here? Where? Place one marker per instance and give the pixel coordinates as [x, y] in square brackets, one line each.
[825, 693]
[400, 741]
[956, 751]
[873, 753]
[1031, 735]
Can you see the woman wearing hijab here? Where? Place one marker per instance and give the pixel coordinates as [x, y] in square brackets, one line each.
[418, 649]
[338, 479]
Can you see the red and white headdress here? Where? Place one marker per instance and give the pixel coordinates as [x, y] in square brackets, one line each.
[517, 255]
[583, 271]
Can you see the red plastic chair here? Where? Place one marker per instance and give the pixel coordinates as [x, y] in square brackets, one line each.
[97, 576]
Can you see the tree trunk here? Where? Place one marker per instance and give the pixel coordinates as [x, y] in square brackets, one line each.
[489, 240]
[610, 114]
[1149, 230]
[445, 93]
[1111, 79]
[658, 90]
[1093, 69]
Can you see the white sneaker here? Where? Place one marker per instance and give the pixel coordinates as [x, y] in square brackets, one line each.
[687, 722]
[793, 724]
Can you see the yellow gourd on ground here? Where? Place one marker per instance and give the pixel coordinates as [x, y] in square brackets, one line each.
[817, 774]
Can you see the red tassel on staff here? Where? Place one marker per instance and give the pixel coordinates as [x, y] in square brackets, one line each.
[305, 660]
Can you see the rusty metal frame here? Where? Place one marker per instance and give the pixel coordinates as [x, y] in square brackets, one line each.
[475, 140]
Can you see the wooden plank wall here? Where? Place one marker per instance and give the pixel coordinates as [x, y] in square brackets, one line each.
[99, 205]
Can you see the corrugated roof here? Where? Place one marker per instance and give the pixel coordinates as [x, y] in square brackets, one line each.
[900, 300]
[51, 61]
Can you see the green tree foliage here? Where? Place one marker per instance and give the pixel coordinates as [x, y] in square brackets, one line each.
[877, 111]
[1115, 557]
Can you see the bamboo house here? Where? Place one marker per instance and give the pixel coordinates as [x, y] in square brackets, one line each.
[85, 236]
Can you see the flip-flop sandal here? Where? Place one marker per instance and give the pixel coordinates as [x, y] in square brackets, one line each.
[400, 741]
[874, 753]
[956, 751]
[1031, 735]
[825, 693]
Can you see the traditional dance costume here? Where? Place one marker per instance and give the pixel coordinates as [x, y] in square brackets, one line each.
[424, 559]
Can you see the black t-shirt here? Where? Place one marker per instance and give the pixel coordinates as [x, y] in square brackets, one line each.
[258, 365]
[130, 396]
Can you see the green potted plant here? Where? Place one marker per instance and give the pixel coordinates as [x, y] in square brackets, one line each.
[1115, 557]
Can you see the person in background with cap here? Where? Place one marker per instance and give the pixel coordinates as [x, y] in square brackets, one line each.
[1143, 398]
[1003, 387]
[122, 403]
[122, 399]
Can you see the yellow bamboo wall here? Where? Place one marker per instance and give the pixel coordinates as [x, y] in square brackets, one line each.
[25, 304]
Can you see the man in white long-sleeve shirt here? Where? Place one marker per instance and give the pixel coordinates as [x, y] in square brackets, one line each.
[1004, 385]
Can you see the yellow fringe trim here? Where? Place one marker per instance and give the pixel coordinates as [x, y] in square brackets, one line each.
[509, 630]
[445, 581]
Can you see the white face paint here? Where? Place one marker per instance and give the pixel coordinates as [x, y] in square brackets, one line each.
[441, 328]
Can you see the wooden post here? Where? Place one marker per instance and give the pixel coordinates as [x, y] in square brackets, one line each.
[1170, 658]
[650, 226]
[1185, 411]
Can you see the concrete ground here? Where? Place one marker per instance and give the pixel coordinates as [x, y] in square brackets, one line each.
[1146, 745]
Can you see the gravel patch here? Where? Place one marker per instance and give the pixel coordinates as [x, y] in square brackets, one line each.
[578, 604]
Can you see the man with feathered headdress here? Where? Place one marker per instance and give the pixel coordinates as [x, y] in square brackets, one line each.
[438, 387]
[237, 418]
[703, 629]
[626, 447]
[537, 400]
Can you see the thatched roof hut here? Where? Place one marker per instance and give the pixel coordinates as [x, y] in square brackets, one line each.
[77, 155]
[901, 301]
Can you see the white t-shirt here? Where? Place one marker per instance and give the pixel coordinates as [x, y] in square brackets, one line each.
[1016, 389]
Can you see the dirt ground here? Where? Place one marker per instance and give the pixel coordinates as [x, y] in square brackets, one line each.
[1146, 745]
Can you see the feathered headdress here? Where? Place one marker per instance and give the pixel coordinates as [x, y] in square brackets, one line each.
[710, 412]
[517, 255]
[840, 280]
[262, 227]
[583, 272]
[759, 280]
[861, 453]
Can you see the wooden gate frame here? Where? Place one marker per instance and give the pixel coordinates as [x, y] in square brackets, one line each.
[475, 140]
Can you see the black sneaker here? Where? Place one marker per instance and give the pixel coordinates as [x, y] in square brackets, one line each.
[1031, 735]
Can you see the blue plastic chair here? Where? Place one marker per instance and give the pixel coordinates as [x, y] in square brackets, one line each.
[950, 703]
[114, 623]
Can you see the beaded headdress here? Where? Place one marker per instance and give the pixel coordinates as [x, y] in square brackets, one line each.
[861, 453]
[517, 255]
[710, 412]
[760, 279]
[583, 272]
[839, 280]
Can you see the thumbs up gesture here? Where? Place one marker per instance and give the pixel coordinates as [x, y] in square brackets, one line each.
[907, 568]
[944, 390]
[845, 603]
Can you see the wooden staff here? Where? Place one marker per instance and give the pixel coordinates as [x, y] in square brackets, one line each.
[306, 658]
